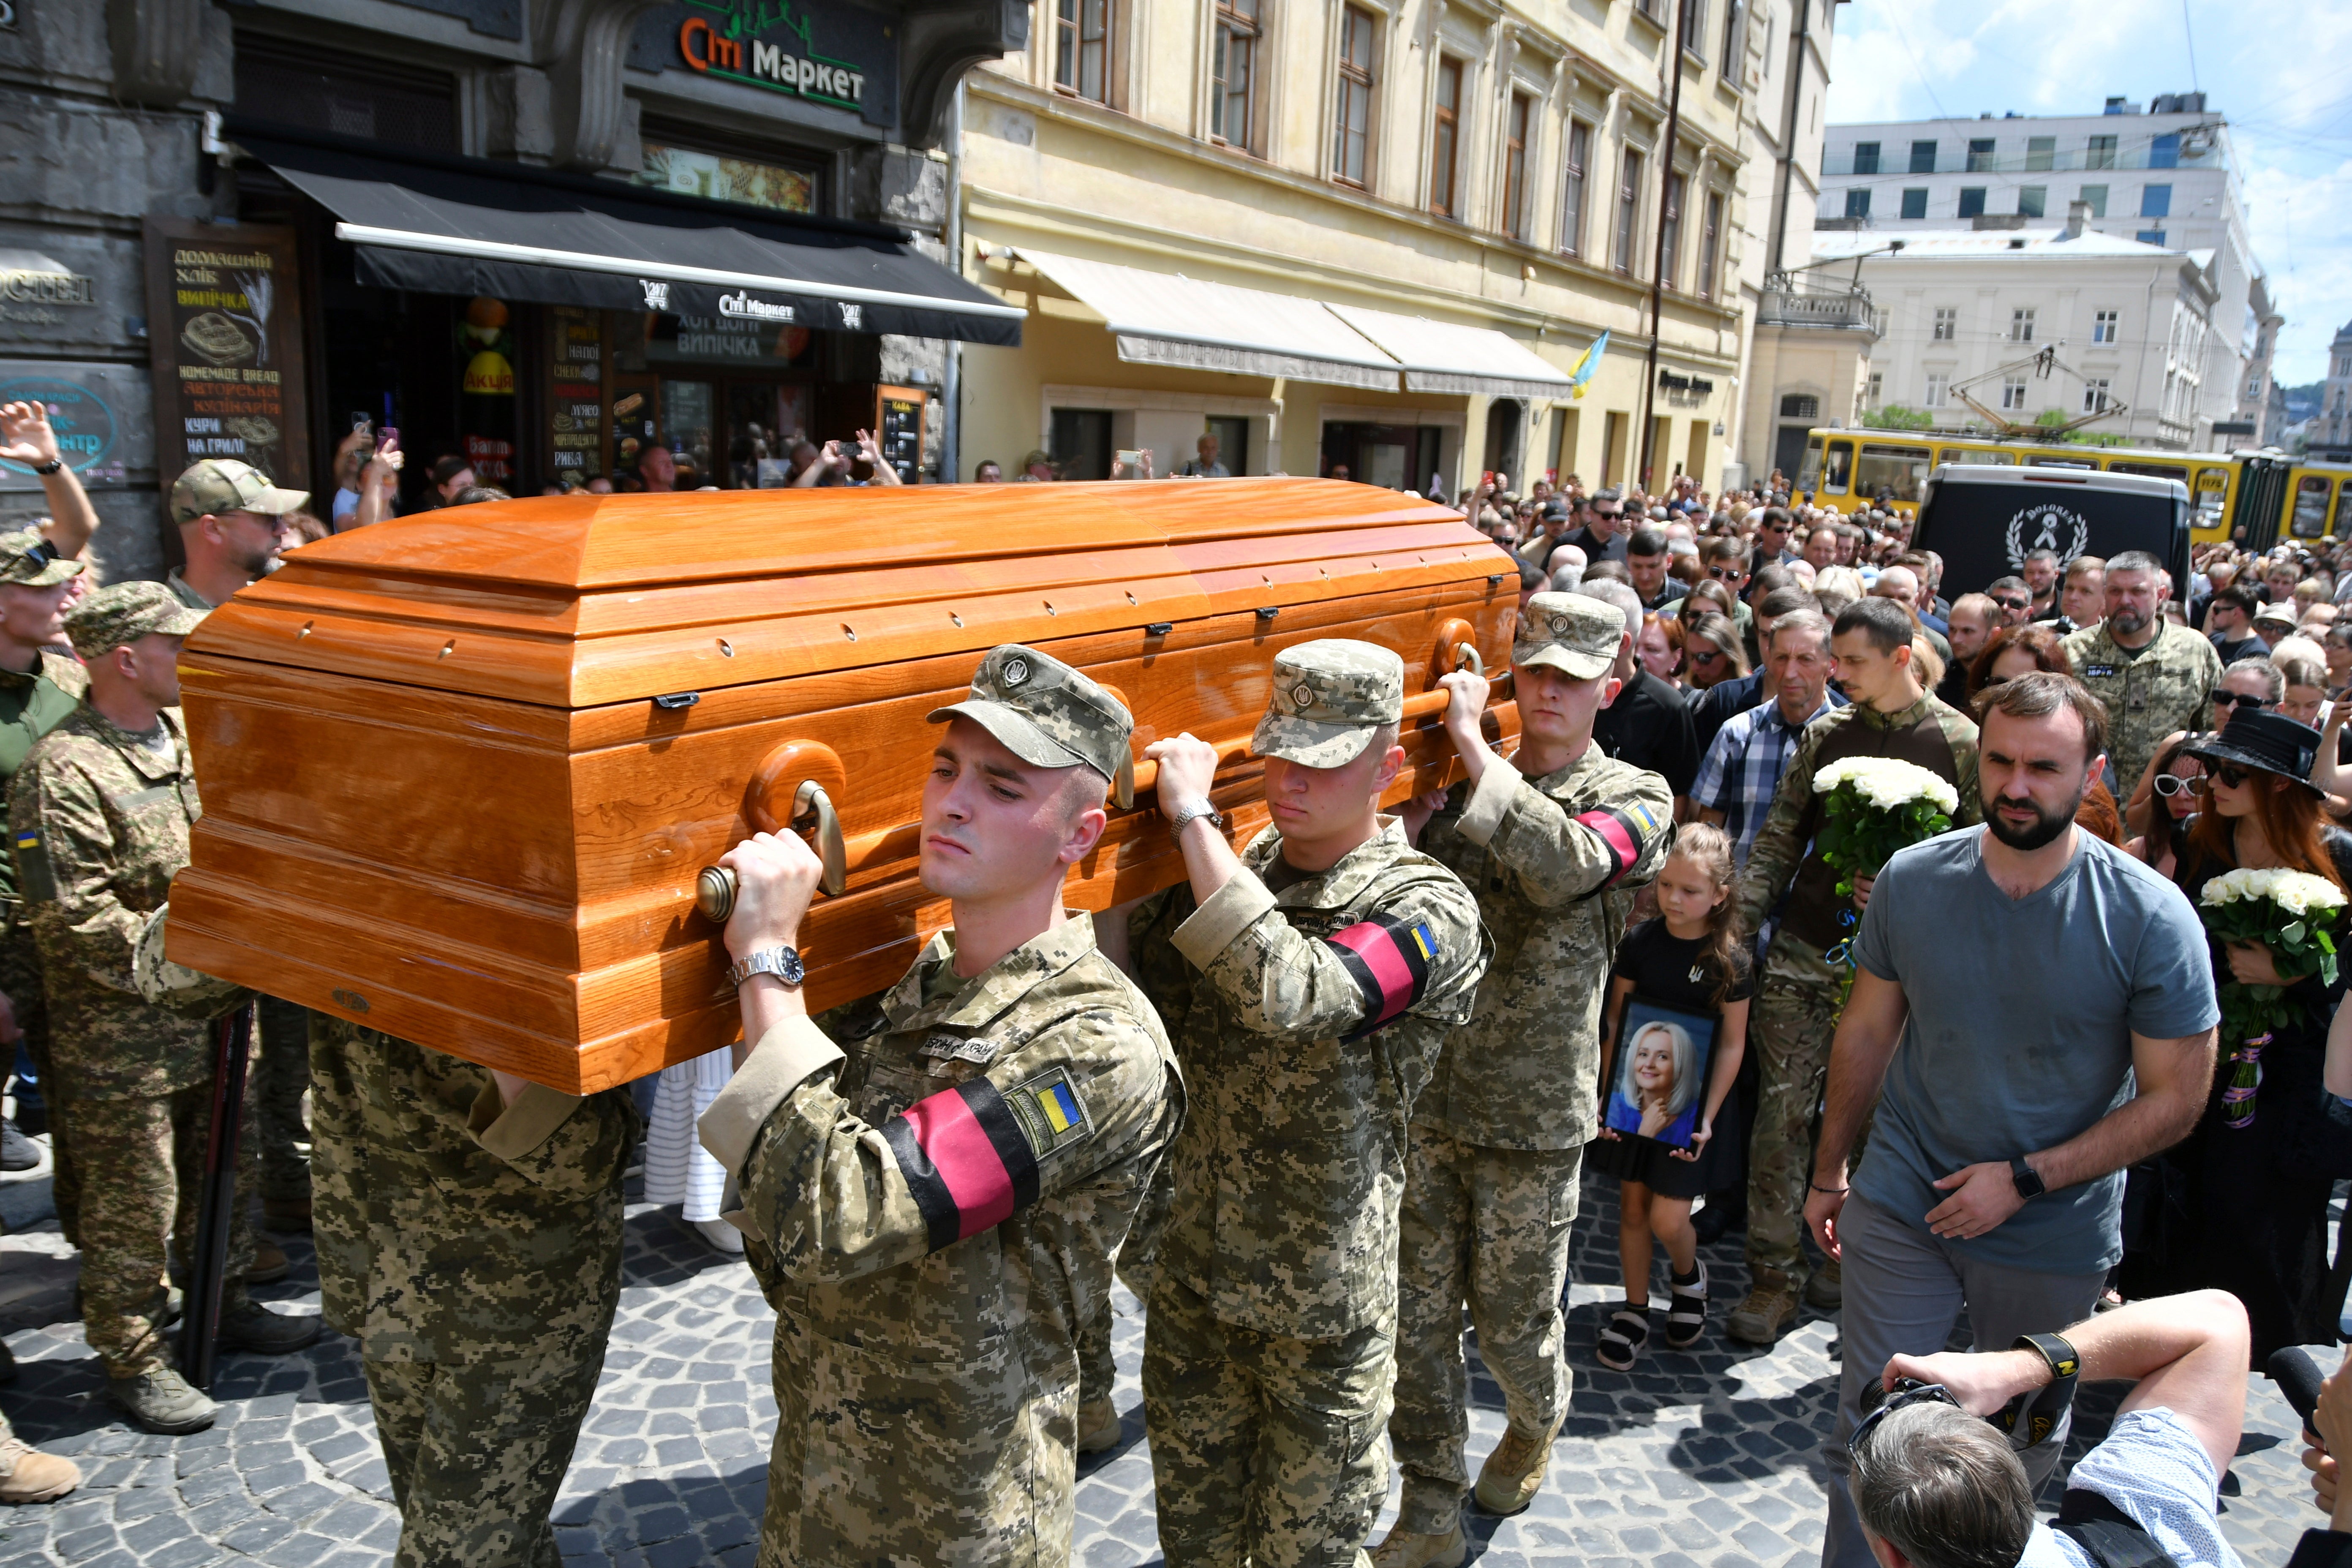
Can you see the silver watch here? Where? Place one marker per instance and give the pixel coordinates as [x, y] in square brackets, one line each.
[784, 963]
[1192, 811]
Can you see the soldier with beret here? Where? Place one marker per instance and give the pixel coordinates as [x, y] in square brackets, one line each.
[1308, 983]
[1553, 841]
[932, 1182]
[99, 822]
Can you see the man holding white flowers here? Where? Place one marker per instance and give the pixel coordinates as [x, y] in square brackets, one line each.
[2032, 1012]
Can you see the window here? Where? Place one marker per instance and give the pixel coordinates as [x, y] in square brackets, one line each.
[1444, 134]
[1515, 167]
[2020, 324]
[2095, 196]
[1972, 201]
[1923, 157]
[1571, 197]
[1670, 230]
[1877, 393]
[2150, 236]
[1981, 157]
[2039, 152]
[2012, 391]
[1735, 34]
[1710, 241]
[1233, 84]
[2156, 201]
[1857, 202]
[2100, 153]
[2164, 152]
[1939, 386]
[1799, 406]
[1628, 203]
[1082, 49]
[2107, 326]
[1948, 323]
[1693, 20]
[1351, 136]
[2032, 200]
[1915, 202]
[2095, 396]
[1866, 157]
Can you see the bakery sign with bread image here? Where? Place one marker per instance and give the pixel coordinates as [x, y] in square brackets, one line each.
[224, 333]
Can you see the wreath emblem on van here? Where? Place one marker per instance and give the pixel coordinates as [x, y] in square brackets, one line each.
[2047, 526]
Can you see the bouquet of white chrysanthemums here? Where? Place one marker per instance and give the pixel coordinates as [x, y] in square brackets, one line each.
[2293, 913]
[1873, 807]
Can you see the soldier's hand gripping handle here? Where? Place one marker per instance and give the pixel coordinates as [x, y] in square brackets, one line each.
[775, 876]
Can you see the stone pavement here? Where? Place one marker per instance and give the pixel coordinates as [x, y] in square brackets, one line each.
[1708, 1459]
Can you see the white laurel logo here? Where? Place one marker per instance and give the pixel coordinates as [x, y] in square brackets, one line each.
[657, 294]
[1302, 697]
[2047, 526]
[1017, 671]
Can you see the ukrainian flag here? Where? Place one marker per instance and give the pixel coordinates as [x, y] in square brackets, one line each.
[1060, 1106]
[1587, 365]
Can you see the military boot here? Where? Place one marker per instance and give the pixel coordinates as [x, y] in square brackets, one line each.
[1514, 1472]
[27, 1475]
[253, 1327]
[1099, 1428]
[271, 1263]
[1825, 1290]
[1771, 1306]
[1403, 1549]
[162, 1401]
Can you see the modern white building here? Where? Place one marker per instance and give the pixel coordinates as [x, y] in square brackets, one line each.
[2168, 179]
[2136, 320]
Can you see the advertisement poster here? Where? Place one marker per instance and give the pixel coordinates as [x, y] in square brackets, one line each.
[575, 392]
[226, 338]
[485, 400]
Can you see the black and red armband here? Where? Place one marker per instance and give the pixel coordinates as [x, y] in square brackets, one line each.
[1389, 961]
[1625, 834]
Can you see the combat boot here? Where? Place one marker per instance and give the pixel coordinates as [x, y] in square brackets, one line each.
[162, 1401]
[271, 1263]
[1403, 1549]
[1770, 1307]
[1514, 1472]
[1826, 1291]
[27, 1475]
[253, 1327]
[1099, 1428]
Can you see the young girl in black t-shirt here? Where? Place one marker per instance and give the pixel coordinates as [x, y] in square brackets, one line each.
[1691, 958]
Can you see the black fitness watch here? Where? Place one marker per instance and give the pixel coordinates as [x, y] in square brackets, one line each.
[2028, 1183]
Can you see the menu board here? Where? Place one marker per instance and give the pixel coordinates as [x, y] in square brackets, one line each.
[898, 428]
[224, 338]
[575, 393]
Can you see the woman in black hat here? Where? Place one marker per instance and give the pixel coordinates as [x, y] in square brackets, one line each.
[2248, 1207]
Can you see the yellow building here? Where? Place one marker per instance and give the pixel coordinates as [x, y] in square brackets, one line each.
[1370, 233]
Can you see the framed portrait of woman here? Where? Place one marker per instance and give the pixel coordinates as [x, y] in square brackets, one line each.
[1657, 1074]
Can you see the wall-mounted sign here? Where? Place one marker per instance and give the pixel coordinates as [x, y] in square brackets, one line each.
[835, 55]
[226, 338]
[575, 382]
[84, 423]
[28, 277]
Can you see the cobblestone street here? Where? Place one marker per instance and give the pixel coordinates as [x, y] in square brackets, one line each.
[1708, 1459]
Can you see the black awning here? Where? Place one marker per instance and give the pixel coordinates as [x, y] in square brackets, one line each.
[445, 226]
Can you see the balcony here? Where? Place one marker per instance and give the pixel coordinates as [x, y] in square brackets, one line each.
[1789, 300]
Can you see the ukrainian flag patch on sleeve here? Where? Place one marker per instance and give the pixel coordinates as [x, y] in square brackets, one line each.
[33, 879]
[1051, 1114]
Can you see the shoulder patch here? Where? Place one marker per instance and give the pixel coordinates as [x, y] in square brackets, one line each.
[33, 876]
[1051, 1114]
[1390, 961]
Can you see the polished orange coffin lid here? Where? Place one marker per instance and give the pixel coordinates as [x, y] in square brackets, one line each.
[461, 771]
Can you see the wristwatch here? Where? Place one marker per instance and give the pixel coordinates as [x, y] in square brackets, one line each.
[784, 963]
[51, 466]
[1187, 812]
[2028, 1183]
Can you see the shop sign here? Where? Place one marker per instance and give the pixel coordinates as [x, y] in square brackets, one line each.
[84, 425]
[838, 56]
[27, 278]
[225, 336]
[739, 337]
[575, 392]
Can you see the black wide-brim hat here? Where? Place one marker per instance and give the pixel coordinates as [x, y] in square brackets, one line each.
[2271, 743]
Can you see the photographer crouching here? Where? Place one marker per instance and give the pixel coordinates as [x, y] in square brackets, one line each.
[1938, 1483]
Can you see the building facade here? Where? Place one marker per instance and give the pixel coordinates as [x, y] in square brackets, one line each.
[2330, 430]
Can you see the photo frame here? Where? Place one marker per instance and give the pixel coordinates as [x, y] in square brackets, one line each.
[1658, 1069]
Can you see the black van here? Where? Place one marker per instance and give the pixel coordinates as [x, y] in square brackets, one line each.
[1984, 521]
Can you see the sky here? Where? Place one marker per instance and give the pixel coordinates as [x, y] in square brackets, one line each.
[2291, 126]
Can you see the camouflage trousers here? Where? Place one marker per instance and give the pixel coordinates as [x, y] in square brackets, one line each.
[477, 1450]
[143, 1162]
[1489, 1228]
[1264, 1448]
[1789, 1028]
[1097, 1369]
[20, 979]
[281, 1073]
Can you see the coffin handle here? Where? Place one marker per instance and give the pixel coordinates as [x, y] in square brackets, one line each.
[1465, 654]
[714, 889]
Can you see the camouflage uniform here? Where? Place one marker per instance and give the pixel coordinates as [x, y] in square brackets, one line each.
[931, 1185]
[1795, 1013]
[1309, 1010]
[473, 1248]
[2149, 696]
[98, 821]
[1498, 1136]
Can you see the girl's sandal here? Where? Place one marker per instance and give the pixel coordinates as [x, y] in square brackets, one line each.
[1686, 1310]
[1623, 1338]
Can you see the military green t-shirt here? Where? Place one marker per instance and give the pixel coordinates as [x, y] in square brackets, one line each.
[32, 704]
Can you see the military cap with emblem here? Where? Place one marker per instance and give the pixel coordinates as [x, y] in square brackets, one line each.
[27, 557]
[1329, 695]
[1049, 715]
[123, 613]
[218, 485]
[1571, 633]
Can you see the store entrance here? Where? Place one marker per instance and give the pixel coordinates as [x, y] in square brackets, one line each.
[1398, 457]
[729, 400]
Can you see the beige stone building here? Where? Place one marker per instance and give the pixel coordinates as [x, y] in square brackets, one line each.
[1372, 233]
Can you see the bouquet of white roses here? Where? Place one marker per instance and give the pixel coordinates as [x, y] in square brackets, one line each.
[2293, 913]
[1873, 807]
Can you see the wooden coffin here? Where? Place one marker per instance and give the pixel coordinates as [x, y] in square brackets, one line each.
[460, 771]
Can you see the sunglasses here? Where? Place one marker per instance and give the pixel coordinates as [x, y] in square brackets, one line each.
[2010, 604]
[1907, 1391]
[2234, 777]
[2170, 785]
[2234, 699]
[1708, 656]
[41, 554]
[1726, 573]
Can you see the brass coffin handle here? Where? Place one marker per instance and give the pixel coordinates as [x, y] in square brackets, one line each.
[714, 889]
[1465, 653]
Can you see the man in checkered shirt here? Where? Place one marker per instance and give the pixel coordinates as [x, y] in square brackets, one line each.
[1743, 767]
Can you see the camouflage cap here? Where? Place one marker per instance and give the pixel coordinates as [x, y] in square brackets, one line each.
[1328, 697]
[1048, 714]
[123, 613]
[27, 557]
[1571, 633]
[218, 485]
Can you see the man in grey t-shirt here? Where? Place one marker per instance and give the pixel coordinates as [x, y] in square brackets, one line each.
[2038, 1008]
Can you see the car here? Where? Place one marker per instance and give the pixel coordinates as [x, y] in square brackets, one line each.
[1984, 521]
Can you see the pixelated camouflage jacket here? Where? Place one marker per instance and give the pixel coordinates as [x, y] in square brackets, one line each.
[931, 1194]
[450, 1226]
[1308, 1021]
[1552, 862]
[2164, 688]
[32, 704]
[99, 825]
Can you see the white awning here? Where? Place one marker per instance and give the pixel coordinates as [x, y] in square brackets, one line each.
[1166, 318]
[1439, 356]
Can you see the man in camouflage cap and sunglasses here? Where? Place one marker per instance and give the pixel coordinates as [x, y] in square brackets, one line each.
[1553, 841]
[231, 519]
[938, 1176]
[1308, 983]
